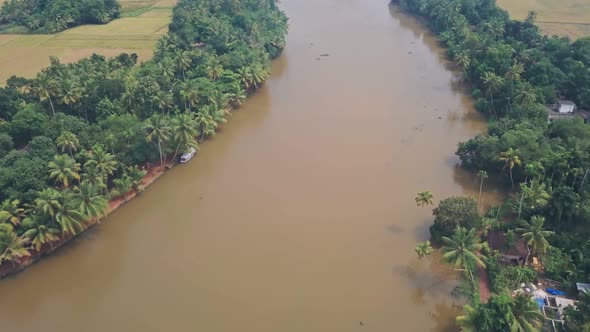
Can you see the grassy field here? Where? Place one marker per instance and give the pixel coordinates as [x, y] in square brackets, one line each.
[143, 22]
[555, 17]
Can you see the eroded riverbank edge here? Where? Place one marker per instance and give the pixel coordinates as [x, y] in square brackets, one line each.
[7, 269]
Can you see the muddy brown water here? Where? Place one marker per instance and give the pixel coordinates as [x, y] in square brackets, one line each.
[299, 215]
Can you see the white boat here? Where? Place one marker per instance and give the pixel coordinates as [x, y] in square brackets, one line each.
[187, 156]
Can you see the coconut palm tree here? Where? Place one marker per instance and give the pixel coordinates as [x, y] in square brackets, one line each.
[259, 74]
[12, 247]
[64, 169]
[423, 249]
[101, 161]
[535, 236]
[208, 119]
[70, 91]
[246, 77]
[189, 94]
[462, 250]
[183, 61]
[39, 233]
[89, 200]
[157, 132]
[136, 175]
[526, 95]
[11, 211]
[482, 175]
[511, 158]
[167, 68]
[48, 202]
[492, 84]
[46, 88]
[526, 315]
[463, 60]
[214, 70]
[122, 186]
[513, 75]
[467, 321]
[424, 198]
[184, 132]
[237, 96]
[129, 98]
[533, 196]
[93, 176]
[68, 216]
[164, 101]
[219, 99]
[67, 141]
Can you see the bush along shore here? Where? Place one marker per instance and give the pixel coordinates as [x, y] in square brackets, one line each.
[80, 139]
[535, 91]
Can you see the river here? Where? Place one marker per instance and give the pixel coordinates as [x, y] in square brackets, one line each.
[299, 215]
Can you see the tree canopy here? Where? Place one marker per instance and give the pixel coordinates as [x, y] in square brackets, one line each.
[79, 134]
[57, 15]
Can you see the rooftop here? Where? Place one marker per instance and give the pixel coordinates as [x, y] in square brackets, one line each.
[583, 287]
[566, 102]
[497, 241]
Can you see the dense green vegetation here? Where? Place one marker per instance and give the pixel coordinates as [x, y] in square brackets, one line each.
[514, 71]
[80, 134]
[57, 15]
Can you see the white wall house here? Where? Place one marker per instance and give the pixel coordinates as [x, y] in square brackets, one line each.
[566, 106]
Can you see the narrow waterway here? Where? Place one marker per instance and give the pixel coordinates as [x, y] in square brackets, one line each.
[299, 215]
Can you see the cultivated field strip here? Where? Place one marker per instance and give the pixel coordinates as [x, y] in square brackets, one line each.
[142, 24]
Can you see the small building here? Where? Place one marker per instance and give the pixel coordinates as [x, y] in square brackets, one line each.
[566, 106]
[583, 288]
[585, 115]
[566, 109]
[515, 254]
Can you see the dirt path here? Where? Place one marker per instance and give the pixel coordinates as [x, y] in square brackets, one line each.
[484, 285]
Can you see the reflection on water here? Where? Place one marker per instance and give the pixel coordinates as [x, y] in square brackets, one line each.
[299, 215]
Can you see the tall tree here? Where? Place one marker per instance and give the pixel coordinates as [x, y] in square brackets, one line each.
[463, 60]
[64, 169]
[184, 133]
[468, 321]
[513, 75]
[189, 94]
[511, 158]
[67, 141]
[424, 198]
[164, 101]
[423, 249]
[89, 201]
[48, 202]
[183, 62]
[46, 88]
[158, 133]
[526, 95]
[12, 247]
[535, 236]
[463, 250]
[482, 175]
[102, 161]
[11, 211]
[39, 233]
[214, 70]
[69, 216]
[492, 84]
[527, 317]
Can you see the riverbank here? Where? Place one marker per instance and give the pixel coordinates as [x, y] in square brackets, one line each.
[141, 117]
[153, 174]
[298, 215]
